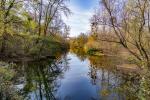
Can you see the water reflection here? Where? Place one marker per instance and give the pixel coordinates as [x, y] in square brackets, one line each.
[36, 79]
[79, 52]
[114, 85]
[74, 77]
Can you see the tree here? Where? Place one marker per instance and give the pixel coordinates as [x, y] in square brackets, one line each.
[46, 11]
[53, 9]
[8, 12]
[130, 23]
[36, 17]
[66, 31]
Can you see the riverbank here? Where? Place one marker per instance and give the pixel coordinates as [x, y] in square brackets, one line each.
[122, 61]
[30, 47]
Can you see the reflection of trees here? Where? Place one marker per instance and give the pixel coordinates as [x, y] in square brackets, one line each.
[39, 78]
[93, 74]
[65, 62]
[104, 62]
[113, 84]
[80, 53]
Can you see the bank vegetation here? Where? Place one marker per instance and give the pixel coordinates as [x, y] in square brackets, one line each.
[32, 28]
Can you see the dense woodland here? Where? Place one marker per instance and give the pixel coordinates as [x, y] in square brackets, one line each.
[30, 27]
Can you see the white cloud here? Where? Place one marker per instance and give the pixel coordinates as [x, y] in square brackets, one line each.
[79, 21]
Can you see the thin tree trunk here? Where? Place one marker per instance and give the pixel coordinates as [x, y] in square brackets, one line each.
[4, 38]
[40, 16]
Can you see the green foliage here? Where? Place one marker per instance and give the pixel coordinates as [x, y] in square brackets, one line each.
[93, 51]
[32, 45]
[7, 91]
[79, 42]
[144, 92]
[21, 34]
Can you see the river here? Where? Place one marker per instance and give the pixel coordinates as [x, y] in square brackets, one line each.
[73, 77]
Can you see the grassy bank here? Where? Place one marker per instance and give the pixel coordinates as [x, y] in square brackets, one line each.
[32, 46]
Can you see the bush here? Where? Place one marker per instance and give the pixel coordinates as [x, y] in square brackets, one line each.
[33, 45]
[7, 91]
[95, 52]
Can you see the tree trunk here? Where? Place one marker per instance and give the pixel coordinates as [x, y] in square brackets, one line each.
[4, 38]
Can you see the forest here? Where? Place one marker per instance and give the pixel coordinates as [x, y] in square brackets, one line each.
[32, 27]
[40, 60]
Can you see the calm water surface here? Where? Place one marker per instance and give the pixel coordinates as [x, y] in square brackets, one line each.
[72, 77]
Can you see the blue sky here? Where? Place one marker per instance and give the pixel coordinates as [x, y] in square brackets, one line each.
[82, 12]
[83, 4]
